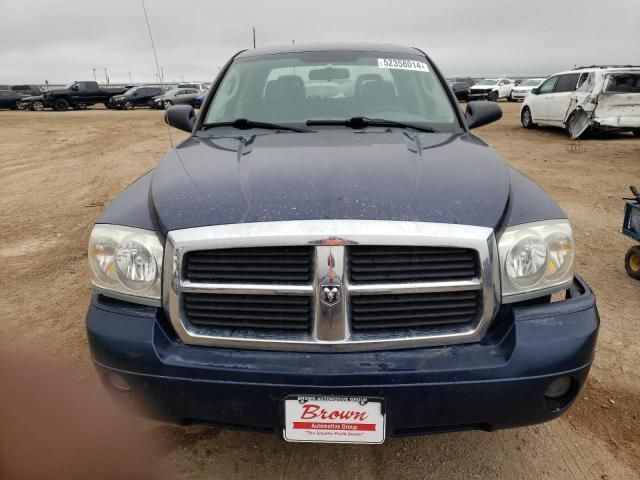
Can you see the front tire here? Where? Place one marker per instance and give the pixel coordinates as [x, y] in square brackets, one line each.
[36, 106]
[493, 97]
[632, 262]
[128, 106]
[527, 119]
[60, 105]
[636, 132]
[167, 104]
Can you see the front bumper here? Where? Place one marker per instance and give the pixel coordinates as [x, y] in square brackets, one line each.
[497, 383]
[478, 95]
[519, 95]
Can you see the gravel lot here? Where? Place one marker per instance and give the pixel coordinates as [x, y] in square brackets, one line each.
[59, 169]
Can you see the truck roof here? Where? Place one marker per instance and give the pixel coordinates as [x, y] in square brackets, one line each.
[330, 47]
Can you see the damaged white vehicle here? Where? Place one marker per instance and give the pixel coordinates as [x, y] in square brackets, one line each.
[598, 98]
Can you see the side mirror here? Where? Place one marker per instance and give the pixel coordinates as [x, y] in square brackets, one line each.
[482, 113]
[182, 117]
[535, 91]
[75, 88]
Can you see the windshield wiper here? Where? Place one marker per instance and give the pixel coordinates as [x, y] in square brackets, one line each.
[363, 122]
[245, 124]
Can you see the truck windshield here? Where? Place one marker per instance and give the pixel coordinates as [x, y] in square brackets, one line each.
[298, 87]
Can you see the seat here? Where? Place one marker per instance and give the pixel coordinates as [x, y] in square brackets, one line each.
[377, 95]
[365, 78]
[284, 99]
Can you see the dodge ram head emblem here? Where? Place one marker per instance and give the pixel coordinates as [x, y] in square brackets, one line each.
[330, 290]
[330, 293]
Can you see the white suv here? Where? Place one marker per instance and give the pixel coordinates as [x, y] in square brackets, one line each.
[605, 98]
[492, 89]
[523, 89]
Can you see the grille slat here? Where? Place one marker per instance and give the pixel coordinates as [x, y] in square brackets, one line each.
[259, 312]
[276, 265]
[384, 264]
[405, 311]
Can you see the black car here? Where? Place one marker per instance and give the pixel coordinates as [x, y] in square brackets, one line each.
[338, 264]
[35, 103]
[460, 90]
[10, 99]
[135, 97]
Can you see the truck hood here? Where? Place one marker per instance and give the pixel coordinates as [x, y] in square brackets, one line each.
[333, 174]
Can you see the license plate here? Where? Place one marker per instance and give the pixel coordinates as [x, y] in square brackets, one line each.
[327, 419]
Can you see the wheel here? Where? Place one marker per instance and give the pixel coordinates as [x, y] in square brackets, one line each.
[526, 119]
[128, 105]
[17, 106]
[636, 132]
[493, 97]
[510, 97]
[37, 106]
[60, 105]
[168, 104]
[632, 262]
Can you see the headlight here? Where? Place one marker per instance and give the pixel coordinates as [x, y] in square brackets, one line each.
[126, 263]
[536, 259]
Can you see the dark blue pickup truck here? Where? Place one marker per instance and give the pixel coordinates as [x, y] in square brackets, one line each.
[333, 256]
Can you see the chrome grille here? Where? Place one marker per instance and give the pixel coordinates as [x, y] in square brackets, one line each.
[341, 285]
[411, 263]
[273, 265]
[413, 311]
[250, 312]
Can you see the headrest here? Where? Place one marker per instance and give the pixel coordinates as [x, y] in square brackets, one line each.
[285, 87]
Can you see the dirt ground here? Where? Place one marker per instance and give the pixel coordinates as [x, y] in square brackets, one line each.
[57, 171]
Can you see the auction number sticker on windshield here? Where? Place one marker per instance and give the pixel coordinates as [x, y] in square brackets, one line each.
[402, 64]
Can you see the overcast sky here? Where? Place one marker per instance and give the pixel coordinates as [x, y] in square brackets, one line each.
[63, 40]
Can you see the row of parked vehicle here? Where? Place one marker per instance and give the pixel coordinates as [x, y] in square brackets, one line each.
[467, 89]
[596, 97]
[82, 94]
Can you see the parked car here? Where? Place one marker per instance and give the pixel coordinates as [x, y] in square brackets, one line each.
[9, 99]
[199, 100]
[492, 89]
[470, 82]
[27, 90]
[460, 90]
[197, 85]
[598, 98]
[524, 88]
[80, 95]
[176, 96]
[34, 103]
[135, 97]
[338, 269]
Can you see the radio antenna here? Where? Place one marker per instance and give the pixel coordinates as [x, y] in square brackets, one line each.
[153, 45]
